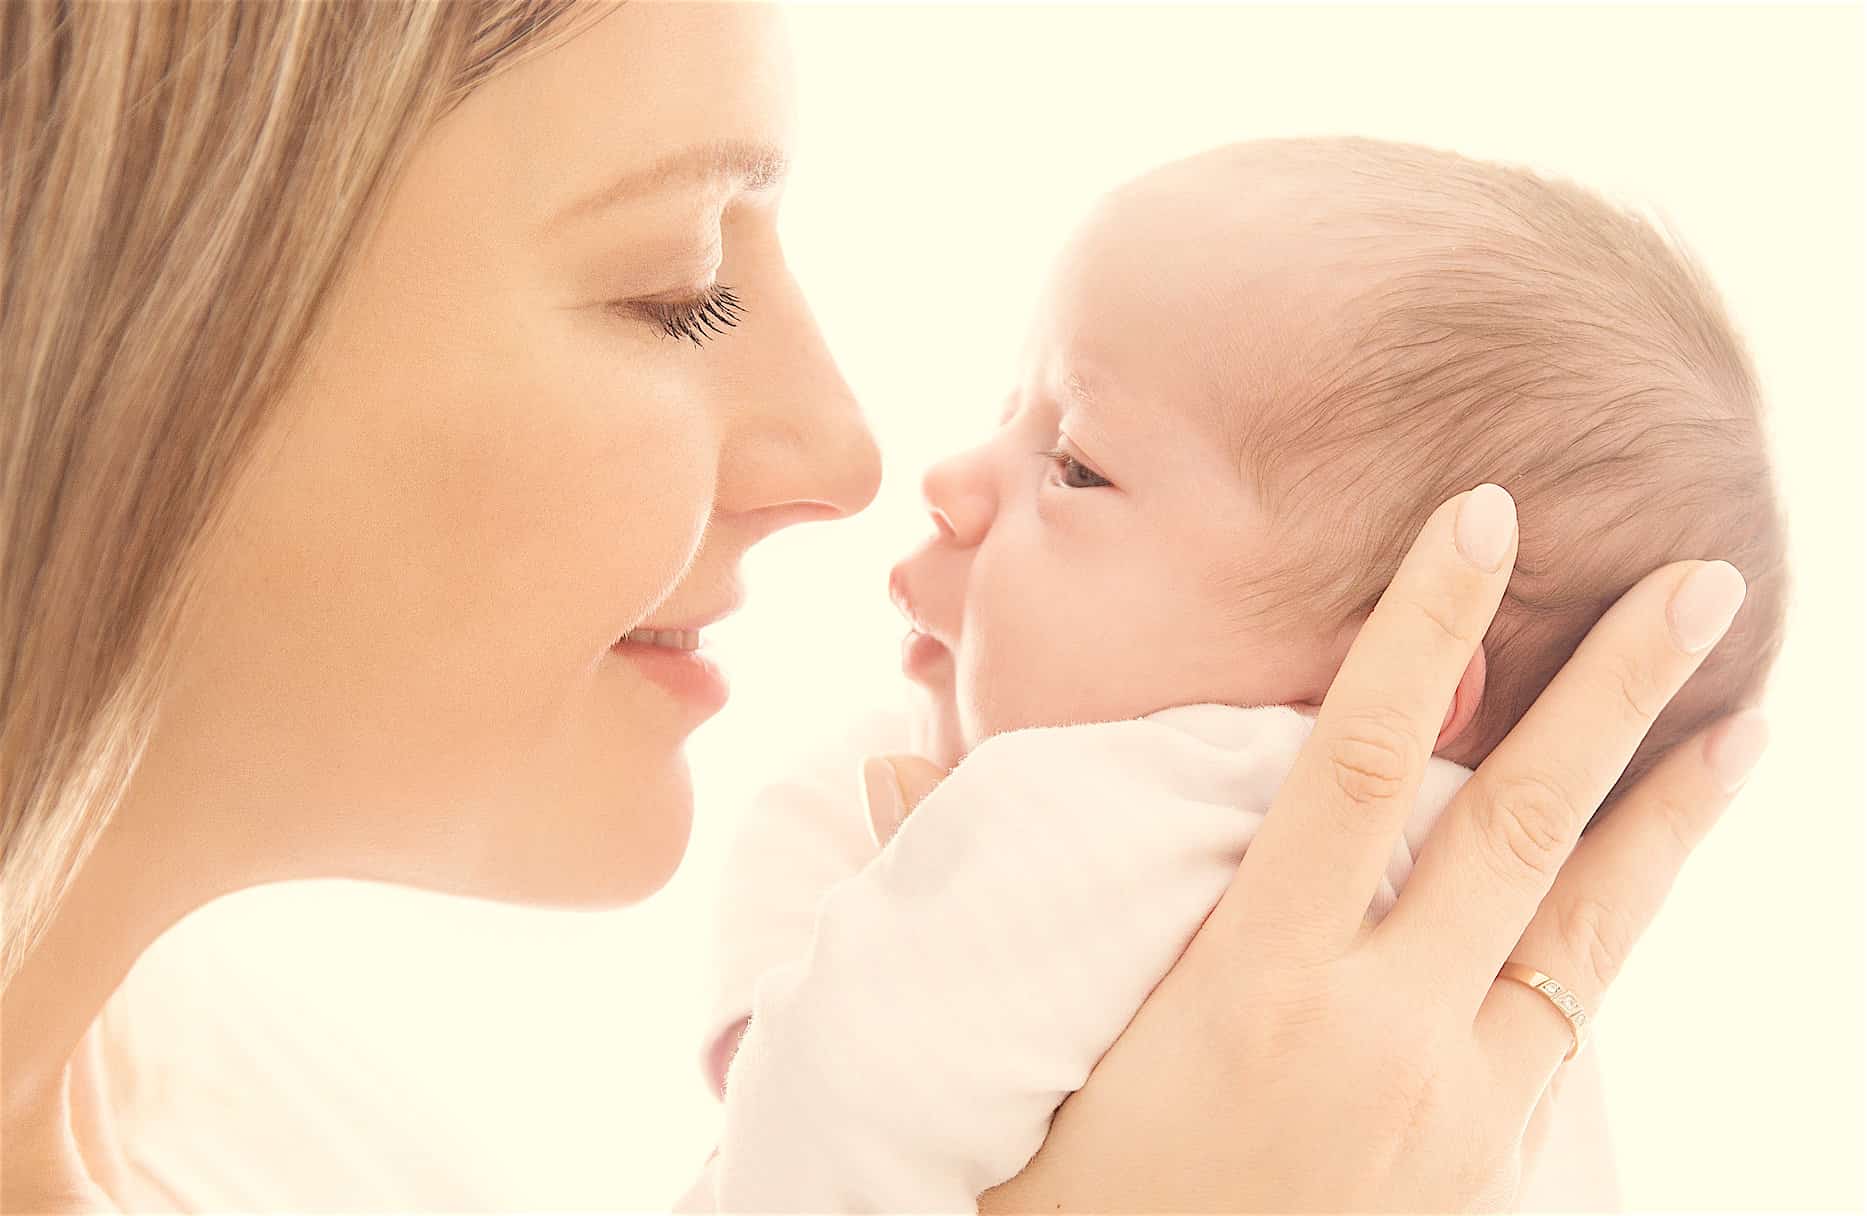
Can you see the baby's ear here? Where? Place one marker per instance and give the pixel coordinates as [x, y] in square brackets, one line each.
[1466, 699]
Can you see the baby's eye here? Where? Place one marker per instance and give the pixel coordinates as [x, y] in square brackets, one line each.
[1066, 462]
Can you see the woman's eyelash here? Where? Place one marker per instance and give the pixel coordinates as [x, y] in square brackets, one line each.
[714, 311]
[1065, 462]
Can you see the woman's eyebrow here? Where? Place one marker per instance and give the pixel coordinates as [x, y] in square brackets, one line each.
[753, 166]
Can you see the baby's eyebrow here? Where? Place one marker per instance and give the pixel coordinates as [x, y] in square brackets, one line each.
[1078, 390]
[1097, 402]
[1091, 394]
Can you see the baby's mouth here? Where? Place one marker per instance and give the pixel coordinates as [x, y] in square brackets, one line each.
[904, 603]
[924, 656]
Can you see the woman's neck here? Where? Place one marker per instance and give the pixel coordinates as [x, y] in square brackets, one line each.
[128, 893]
[41, 1167]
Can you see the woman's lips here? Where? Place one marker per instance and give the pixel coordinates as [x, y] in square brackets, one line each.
[691, 675]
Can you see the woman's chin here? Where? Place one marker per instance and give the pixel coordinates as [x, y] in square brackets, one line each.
[609, 853]
[639, 849]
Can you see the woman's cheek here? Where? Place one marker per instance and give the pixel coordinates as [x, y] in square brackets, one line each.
[584, 516]
[652, 490]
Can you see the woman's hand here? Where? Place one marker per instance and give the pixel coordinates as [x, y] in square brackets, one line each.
[1297, 1058]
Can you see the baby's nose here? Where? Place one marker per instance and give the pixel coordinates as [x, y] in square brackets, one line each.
[958, 499]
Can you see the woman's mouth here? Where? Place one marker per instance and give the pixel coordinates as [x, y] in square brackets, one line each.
[676, 639]
[672, 658]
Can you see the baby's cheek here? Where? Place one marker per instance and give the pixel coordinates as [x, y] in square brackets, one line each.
[1013, 688]
[1031, 647]
[936, 730]
[988, 695]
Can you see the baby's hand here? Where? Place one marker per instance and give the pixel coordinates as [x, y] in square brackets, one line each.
[892, 786]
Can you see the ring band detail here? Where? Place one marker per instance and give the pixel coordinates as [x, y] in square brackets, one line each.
[1558, 995]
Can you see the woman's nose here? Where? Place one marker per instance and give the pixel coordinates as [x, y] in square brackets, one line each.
[958, 493]
[807, 452]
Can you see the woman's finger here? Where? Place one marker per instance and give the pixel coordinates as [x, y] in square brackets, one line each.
[1324, 846]
[1536, 1133]
[1496, 849]
[1608, 893]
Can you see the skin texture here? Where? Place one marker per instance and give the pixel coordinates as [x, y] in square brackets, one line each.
[1028, 582]
[402, 672]
[1243, 1083]
[1107, 585]
[415, 625]
[488, 472]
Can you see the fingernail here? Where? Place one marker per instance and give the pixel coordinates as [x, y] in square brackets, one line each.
[1702, 607]
[886, 803]
[1734, 747]
[1487, 519]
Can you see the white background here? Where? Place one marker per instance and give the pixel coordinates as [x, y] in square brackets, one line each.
[944, 152]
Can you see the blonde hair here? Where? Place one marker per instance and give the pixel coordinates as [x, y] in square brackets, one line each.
[181, 183]
[1525, 331]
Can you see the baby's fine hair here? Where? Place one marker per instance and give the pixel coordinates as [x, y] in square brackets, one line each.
[1524, 331]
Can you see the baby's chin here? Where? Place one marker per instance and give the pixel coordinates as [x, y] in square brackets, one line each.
[995, 696]
[985, 711]
[983, 716]
[993, 702]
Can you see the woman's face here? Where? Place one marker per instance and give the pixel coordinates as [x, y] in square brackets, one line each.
[498, 462]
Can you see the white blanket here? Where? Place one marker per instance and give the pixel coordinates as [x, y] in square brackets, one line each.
[913, 1028]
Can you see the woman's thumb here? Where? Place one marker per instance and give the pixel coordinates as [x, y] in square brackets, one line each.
[893, 785]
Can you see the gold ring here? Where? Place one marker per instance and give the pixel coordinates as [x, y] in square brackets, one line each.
[1565, 1001]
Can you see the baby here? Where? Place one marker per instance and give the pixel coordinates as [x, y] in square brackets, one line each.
[1253, 375]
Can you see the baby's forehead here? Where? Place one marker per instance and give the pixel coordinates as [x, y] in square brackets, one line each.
[1205, 286]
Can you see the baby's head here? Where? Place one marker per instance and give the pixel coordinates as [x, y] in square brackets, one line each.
[1263, 367]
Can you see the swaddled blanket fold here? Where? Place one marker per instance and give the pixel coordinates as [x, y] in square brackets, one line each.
[964, 982]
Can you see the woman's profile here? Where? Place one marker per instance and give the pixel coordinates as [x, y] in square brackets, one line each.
[391, 394]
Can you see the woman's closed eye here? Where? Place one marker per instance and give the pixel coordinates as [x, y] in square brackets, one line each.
[710, 312]
[1066, 464]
